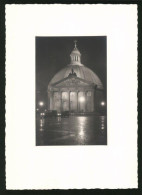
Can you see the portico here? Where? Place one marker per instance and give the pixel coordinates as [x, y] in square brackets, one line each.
[72, 94]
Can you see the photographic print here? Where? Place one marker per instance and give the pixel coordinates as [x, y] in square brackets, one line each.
[71, 90]
[71, 96]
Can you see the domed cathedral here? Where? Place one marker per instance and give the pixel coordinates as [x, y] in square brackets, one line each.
[75, 88]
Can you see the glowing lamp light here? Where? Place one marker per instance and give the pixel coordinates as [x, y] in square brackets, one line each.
[102, 103]
[81, 133]
[81, 99]
[41, 103]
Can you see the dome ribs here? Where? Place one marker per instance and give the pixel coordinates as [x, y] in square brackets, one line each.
[82, 72]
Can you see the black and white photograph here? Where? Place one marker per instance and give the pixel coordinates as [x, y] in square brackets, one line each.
[71, 89]
[71, 96]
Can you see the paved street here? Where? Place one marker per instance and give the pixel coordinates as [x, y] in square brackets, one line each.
[75, 130]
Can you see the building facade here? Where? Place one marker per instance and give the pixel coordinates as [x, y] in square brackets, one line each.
[75, 88]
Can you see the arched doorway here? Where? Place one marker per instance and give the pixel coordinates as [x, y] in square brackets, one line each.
[65, 101]
[73, 101]
[81, 101]
[89, 102]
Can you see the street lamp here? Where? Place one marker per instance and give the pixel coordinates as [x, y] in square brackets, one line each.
[102, 103]
[41, 103]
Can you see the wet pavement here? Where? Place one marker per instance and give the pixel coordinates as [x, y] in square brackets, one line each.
[75, 130]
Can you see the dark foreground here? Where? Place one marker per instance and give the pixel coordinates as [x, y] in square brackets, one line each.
[75, 130]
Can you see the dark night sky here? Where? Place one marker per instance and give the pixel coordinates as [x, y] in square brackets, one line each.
[53, 54]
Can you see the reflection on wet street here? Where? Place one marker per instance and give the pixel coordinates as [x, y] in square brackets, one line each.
[75, 130]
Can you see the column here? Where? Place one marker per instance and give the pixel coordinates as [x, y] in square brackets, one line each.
[48, 100]
[60, 101]
[85, 101]
[51, 100]
[93, 103]
[77, 102]
[69, 99]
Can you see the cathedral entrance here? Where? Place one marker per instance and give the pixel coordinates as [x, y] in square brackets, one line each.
[89, 102]
[81, 101]
[73, 101]
[65, 101]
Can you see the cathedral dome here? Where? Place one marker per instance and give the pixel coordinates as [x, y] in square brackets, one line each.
[81, 71]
